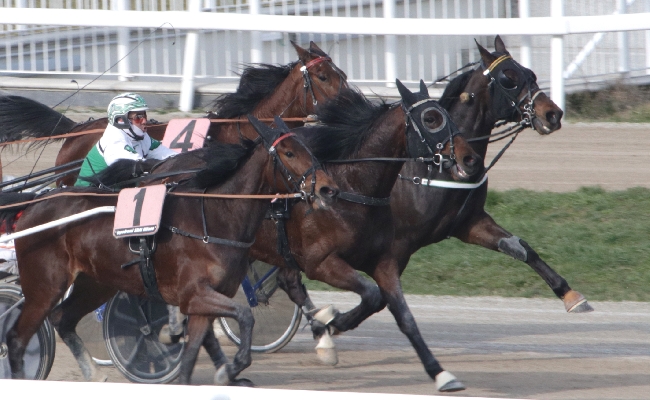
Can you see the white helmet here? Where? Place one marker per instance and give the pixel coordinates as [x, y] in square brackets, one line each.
[120, 107]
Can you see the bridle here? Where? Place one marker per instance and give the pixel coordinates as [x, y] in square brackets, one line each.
[309, 84]
[292, 183]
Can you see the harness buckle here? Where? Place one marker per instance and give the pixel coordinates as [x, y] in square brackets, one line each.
[206, 239]
[417, 180]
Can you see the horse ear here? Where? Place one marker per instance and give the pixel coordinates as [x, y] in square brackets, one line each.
[423, 88]
[313, 48]
[266, 133]
[303, 54]
[281, 125]
[499, 46]
[486, 56]
[407, 96]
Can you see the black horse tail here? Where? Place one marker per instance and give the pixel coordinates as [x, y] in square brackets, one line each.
[8, 215]
[22, 118]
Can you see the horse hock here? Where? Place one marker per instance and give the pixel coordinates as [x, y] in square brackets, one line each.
[326, 349]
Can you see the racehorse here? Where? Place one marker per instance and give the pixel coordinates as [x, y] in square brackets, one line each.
[426, 209]
[194, 270]
[499, 89]
[356, 234]
[264, 90]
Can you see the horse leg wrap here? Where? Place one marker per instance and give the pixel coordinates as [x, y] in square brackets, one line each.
[221, 377]
[326, 350]
[172, 332]
[513, 247]
[326, 314]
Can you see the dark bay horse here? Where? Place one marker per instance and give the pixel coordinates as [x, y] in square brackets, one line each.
[476, 100]
[360, 225]
[195, 270]
[264, 90]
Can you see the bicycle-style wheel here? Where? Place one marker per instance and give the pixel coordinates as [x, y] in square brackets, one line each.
[131, 328]
[39, 354]
[277, 318]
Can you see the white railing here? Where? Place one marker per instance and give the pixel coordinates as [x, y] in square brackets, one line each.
[373, 41]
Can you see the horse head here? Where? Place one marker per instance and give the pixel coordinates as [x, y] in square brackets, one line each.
[515, 95]
[299, 168]
[432, 133]
[322, 78]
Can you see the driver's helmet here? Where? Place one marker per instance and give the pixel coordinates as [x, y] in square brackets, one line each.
[120, 107]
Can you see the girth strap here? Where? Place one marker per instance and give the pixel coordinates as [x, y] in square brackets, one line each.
[211, 239]
[278, 213]
[147, 272]
[369, 201]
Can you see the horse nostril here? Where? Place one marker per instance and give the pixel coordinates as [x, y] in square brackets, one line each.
[554, 117]
[469, 161]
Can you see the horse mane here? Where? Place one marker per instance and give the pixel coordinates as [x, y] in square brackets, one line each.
[21, 117]
[223, 160]
[453, 90]
[344, 122]
[256, 83]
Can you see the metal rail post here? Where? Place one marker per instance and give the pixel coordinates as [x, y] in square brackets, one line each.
[186, 101]
[525, 53]
[122, 43]
[390, 57]
[256, 37]
[557, 59]
[623, 46]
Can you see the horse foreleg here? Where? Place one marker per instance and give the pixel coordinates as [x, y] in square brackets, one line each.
[337, 273]
[484, 231]
[213, 348]
[290, 281]
[208, 304]
[85, 297]
[387, 277]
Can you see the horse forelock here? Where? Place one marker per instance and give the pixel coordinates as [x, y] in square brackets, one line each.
[256, 83]
[344, 124]
[453, 90]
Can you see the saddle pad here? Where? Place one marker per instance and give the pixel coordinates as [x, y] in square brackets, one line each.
[138, 211]
[183, 135]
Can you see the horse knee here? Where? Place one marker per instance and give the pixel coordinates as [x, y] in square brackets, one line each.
[516, 248]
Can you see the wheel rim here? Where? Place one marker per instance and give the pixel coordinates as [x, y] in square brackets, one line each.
[131, 328]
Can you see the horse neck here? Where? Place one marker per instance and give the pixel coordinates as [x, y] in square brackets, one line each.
[376, 178]
[287, 101]
[474, 118]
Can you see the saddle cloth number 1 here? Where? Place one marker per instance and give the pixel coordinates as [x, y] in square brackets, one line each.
[138, 211]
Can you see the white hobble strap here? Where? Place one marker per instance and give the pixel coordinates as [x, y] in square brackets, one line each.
[444, 378]
[326, 314]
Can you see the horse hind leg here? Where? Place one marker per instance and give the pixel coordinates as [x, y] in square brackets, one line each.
[85, 297]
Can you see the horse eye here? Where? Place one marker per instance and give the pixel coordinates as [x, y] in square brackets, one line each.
[433, 120]
[288, 154]
[323, 78]
[506, 81]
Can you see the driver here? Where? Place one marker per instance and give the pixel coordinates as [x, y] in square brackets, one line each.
[125, 137]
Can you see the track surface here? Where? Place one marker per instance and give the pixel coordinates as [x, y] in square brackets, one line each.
[524, 348]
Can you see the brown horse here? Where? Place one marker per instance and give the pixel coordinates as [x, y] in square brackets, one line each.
[427, 209]
[194, 270]
[290, 91]
[371, 139]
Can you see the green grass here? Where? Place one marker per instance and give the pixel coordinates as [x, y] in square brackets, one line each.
[598, 241]
[618, 103]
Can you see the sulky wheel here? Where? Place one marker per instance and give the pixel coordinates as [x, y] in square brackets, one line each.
[131, 328]
[277, 318]
[39, 354]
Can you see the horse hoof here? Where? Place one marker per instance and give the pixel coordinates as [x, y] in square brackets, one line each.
[575, 302]
[221, 377]
[581, 308]
[326, 350]
[243, 382]
[453, 386]
[447, 382]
